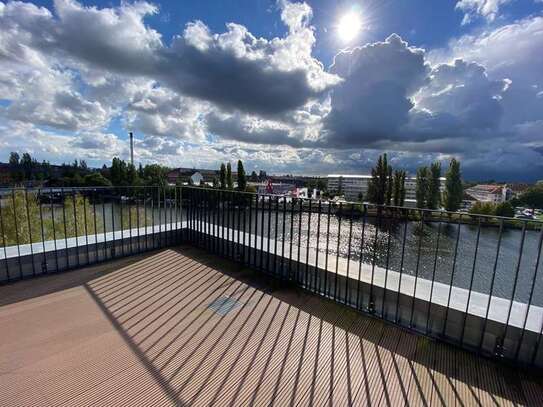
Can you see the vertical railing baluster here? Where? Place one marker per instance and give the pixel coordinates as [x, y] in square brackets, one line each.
[283, 238]
[57, 268]
[252, 249]
[263, 206]
[371, 300]
[291, 237]
[16, 225]
[301, 209]
[328, 215]
[515, 283]
[153, 237]
[93, 194]
[29, 232]
[130, 204]
[114, 244]
[387, 264]
[4, 244]
[86, 229]
[306, 276]
[452, 276]
[465, 316]
[361, 254]
[63, 199]
[276, 230]
[339, 216]
[532, 289]
[402, 258]
[269, 233]
[105, 226]
[351, 215]
[75, 228]
[121, 219]
[42, 229]
[421, 238]
[433, 274]
[244, 195]
[316, 280]
[491, 290]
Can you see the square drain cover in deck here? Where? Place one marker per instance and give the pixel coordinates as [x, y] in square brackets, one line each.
[223, 305]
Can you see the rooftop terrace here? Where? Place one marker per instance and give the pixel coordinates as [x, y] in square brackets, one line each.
[182, 326]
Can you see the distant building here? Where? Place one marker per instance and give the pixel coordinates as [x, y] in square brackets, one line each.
[196, 178]
[273, 188]
[183, 175]
[351, 186]
[490, 193]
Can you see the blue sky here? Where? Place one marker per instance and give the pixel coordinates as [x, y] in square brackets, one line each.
[280, 88]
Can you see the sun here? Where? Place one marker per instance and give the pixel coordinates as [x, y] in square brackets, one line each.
[349, 26]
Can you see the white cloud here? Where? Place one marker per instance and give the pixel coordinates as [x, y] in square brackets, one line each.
[488, 9]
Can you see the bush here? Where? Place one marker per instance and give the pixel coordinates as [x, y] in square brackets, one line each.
[504, 209]
[483, 208]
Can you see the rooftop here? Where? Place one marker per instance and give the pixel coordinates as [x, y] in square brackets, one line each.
[181, 326]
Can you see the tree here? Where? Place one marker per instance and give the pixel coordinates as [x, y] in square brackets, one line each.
[398, 188]
[390, 184]
[254, 176]
[27, 166]
[16, 172]
[505, 209]
[14, 159]
[242, 180]
[454, 191]
[377, 188]
[434, 199]
[96, 179]
[229, 179]
[483, 208]
[222, 176]
[421, 189]
[533, 197]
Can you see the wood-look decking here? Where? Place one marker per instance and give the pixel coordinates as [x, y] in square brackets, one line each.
[140, 331]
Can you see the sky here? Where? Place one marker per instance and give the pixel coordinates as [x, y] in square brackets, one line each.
[312, 87]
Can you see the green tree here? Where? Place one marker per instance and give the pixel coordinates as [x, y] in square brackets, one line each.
[505, 209]
[222, 176]
[390, 185]
[421, 188]
[483, 208]
[27, 166]
[433, 199]
[254, 176]
[229, 179]
[377, 188]
[454, 191]
[533, 197]
[242, 179]
[155, 175]
[96, 179]
[15, 169]
[399, 188]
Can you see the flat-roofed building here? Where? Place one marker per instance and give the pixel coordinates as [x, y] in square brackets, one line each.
[352, 186]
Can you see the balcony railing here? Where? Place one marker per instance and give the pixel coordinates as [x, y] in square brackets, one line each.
[468, 280]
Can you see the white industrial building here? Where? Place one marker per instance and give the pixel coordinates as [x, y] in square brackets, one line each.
[351, 186]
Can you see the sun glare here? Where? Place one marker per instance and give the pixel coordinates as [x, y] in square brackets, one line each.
[349, 26]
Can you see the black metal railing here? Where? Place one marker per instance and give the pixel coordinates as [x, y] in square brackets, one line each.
[48, 230]
[472, 280]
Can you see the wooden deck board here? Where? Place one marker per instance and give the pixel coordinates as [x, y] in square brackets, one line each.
[141, 332]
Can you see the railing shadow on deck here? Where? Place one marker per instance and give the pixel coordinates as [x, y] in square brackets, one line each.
[139, 285]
